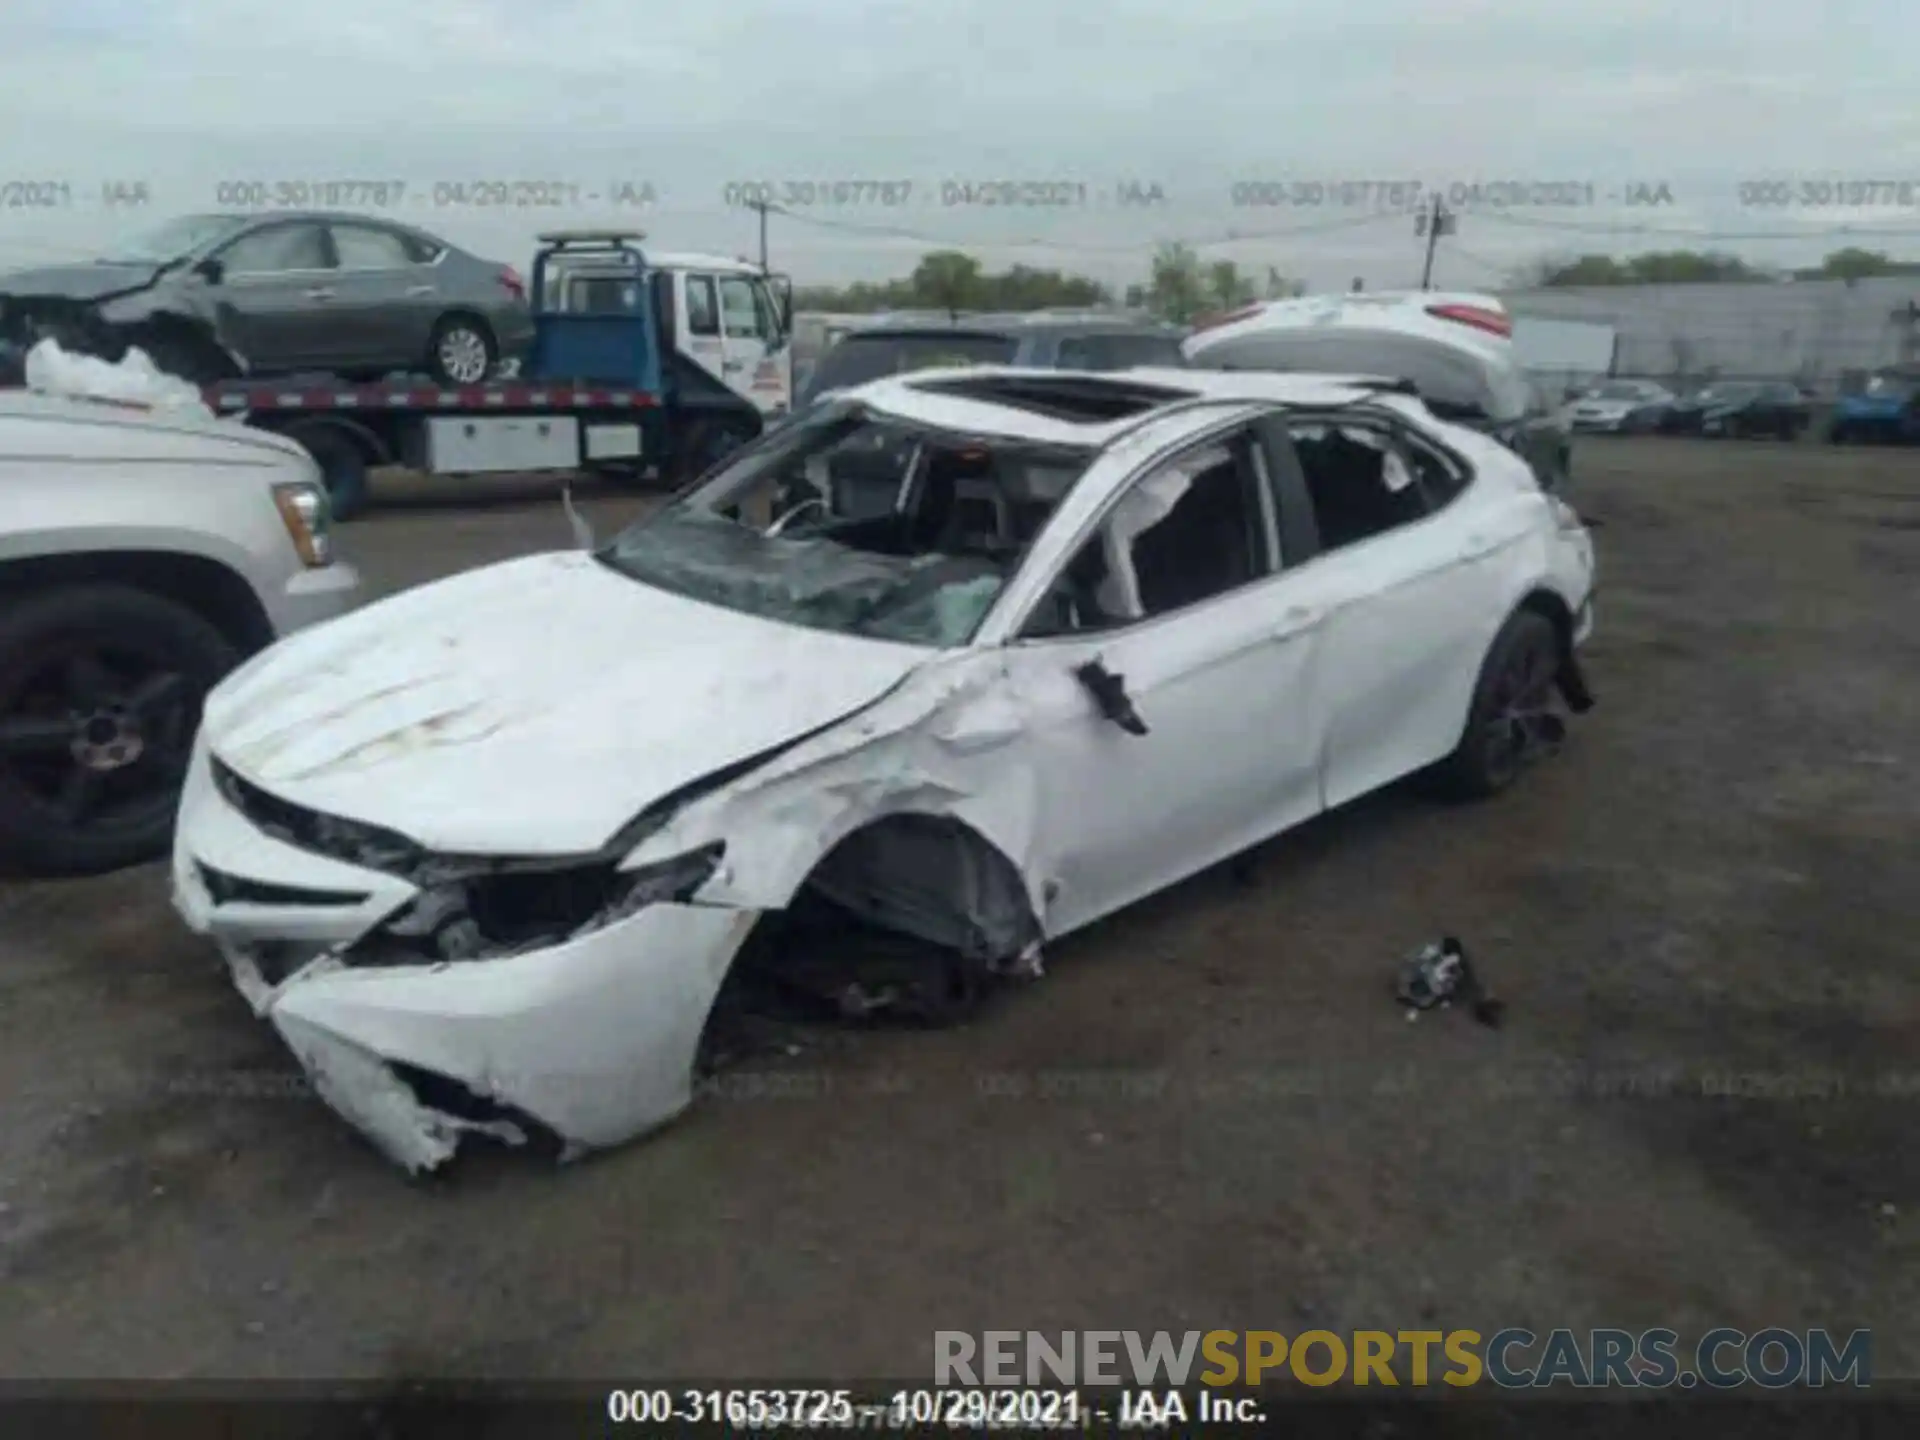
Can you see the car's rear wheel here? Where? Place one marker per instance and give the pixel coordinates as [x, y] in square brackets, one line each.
[1511, 717]
[100, 695]
[462, 350]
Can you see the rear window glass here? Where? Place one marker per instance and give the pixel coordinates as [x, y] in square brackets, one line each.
[860, 358]
[1119, 352]
[1452, 383]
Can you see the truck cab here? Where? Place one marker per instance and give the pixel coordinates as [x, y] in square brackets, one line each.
[724, 329]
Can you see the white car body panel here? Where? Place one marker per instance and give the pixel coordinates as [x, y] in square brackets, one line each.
[546, 676]
[535, 708]
[1398, 312]
[80, 474]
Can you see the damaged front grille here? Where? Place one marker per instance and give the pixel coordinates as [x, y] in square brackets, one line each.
[470, 907]
[351, 841]
[226, 889]
[525, 905]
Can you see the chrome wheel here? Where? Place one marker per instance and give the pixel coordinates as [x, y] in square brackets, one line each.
[463, 355]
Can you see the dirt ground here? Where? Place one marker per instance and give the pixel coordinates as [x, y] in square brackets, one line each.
[1209, 1114]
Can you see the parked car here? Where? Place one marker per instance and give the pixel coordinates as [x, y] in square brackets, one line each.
[1884, 411]
[484, 852]
[143, 555]
[214, 296]
[1774, 409]
[1622, 407]
[1041, 339]
[865, 478]
[1454, 350]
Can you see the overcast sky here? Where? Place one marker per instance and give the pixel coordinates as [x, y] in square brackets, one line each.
[1189, 95]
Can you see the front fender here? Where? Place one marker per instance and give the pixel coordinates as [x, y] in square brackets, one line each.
[946, 744]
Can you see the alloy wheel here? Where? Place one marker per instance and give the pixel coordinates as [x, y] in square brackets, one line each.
[97, 737]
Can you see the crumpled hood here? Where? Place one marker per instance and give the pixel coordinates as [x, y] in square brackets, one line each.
[78, 282]
[532, 707]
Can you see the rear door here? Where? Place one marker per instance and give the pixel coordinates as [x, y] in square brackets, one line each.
[385, 302]
[1410, 576]
[277, 296]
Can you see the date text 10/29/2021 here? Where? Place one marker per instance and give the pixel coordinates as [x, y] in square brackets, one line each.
[921, 1410]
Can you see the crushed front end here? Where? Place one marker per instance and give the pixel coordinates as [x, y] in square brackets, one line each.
[432, 997]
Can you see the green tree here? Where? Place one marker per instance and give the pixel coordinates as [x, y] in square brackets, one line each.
[1854, 263]
[955, 280]
[948, 280]
[1658, 267]
[1227, 288]
[1177, 288]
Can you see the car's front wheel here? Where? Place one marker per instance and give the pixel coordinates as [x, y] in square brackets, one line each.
[100, 695]
[462, 351]
[1511, 717]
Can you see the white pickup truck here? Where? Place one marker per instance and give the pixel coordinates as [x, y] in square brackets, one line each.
[145, 552]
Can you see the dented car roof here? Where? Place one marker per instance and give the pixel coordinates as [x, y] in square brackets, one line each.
[929, 398]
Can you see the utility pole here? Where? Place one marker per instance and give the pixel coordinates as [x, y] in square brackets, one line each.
[1433, 223]
[763, 206]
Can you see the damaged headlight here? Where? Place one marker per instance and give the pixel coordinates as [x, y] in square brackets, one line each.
[513, 906]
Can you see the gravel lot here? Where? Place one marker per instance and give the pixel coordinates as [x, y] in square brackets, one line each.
[1210, 1113]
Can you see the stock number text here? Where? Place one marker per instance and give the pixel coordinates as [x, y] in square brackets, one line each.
[300, 194]
[1822, 194]
[798, 194]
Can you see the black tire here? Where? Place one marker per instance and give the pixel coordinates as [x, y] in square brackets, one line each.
[1517, 678]
[479, 339]
[142, 666]
[343, 468]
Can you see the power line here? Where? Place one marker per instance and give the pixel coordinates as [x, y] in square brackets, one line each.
[1131, 247]
[1833, 232]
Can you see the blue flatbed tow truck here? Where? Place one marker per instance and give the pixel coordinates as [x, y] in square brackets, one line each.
[643, 368]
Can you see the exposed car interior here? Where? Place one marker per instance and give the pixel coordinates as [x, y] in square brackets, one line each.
[1189, 532]
[1360, 487]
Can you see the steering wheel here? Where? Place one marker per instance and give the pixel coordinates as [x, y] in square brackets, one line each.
[787, 517]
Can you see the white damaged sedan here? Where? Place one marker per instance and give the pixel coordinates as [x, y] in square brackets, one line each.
[941, 670]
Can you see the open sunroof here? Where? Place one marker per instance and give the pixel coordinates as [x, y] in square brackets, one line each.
[1081, 399]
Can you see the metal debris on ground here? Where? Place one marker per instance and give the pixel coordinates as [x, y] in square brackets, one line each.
[1441, 974]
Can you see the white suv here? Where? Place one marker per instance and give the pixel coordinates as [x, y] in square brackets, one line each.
[143, 555]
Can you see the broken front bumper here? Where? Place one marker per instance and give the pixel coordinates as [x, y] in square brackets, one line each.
[592, 1038]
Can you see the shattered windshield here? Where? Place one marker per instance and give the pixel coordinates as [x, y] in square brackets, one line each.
[176, 238]
[858, 523]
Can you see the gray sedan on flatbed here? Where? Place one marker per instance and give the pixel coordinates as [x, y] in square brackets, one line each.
[217, 295]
